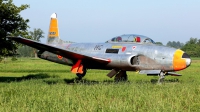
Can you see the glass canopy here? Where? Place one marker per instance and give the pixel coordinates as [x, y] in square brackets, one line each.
[131, 38]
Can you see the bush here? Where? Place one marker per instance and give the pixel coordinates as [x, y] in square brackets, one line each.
[1, 59]
[14, 59]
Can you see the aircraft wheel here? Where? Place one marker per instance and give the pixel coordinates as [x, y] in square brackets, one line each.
[80, 76]
[121, 76]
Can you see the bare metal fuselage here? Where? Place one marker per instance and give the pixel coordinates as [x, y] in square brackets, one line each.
[123, 56]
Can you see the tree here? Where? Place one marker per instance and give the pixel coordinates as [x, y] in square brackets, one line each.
[36, 35]
[192, 47]
[192, 41]
[11, 24]
[159, 43]
[27, 51]
[174, 44]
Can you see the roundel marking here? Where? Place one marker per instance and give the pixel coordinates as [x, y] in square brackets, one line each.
[134, 47]
[123, 49]
[59, 56]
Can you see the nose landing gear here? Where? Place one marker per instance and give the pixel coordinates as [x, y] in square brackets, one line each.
[161, 77]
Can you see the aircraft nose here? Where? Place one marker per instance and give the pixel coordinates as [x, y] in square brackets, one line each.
[187, 58]
[181, 60]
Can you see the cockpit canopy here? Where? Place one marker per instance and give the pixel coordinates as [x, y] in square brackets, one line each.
[131, 38]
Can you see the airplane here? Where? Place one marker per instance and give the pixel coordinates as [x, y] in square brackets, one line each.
[128, 52]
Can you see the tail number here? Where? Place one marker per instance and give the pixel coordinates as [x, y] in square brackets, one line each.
[52, 33]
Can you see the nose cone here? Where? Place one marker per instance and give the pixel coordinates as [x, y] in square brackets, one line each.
[181, 60]
[187, 58]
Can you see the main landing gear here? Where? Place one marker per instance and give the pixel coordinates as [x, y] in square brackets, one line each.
[79, 75]
[80, 70]
[120, 75]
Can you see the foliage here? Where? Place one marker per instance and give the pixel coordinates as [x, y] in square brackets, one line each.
[14, 59]
[26, 51]
[1, 59]
[36, 34]
[159, 43]
[174, 44]
[192, 47]
[11, 24]
[37, 85]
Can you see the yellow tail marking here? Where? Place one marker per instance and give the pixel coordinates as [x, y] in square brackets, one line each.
[53, 28]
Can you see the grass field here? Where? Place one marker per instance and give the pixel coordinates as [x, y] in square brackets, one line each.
[37, 85]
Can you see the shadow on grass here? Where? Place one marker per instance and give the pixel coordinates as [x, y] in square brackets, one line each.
[155, 81]
[55, 80]
[35, 59]
[28, 77]
[92, 82]
[78, 81]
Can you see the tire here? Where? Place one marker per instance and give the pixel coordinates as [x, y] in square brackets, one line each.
[122, 76]
[80, 76]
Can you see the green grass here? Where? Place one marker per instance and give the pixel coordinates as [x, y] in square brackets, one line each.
[39, 86]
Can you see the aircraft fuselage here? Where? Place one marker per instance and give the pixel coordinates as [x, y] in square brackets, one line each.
[124, 56]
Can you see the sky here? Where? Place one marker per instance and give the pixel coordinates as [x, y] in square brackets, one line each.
[100, 20]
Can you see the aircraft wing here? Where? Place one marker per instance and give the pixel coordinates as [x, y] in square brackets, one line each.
[57, 50]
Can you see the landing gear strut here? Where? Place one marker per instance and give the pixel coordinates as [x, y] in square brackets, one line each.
[161, 77]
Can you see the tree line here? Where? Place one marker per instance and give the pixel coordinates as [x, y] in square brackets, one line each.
[26, 51]
[191, 47]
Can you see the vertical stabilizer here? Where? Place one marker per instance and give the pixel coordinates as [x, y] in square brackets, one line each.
[53, 34]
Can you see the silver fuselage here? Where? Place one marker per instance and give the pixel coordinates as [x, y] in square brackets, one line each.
[134, 57]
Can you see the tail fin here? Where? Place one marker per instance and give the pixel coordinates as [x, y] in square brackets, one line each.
[53, 34]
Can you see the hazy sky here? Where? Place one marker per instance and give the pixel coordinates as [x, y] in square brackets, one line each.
[100, 20]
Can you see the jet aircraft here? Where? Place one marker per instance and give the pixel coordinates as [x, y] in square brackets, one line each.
[128, 52]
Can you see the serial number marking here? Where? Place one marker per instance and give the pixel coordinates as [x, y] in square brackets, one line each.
[98, 47]
[52, 33]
